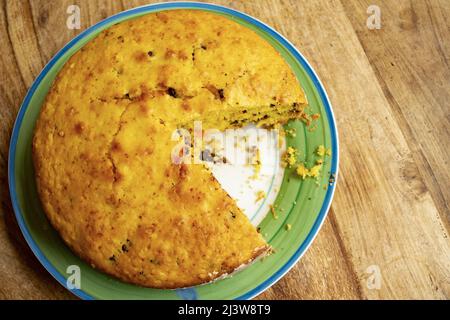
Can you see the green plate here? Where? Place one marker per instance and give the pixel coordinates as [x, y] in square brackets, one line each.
[301, 203]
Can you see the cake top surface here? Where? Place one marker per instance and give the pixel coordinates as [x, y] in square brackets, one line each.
[103, 141]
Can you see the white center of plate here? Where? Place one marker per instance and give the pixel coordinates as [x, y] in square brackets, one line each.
[253, 186]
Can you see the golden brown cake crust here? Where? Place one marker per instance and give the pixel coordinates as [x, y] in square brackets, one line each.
[102, 146]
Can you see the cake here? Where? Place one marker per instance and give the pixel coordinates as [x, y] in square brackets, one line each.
[102, 145]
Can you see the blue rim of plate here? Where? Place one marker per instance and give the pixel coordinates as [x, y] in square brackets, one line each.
[180, 5]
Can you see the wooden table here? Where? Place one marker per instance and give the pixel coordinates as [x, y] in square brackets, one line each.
[387, 233]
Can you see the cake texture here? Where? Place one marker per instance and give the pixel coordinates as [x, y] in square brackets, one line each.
[102, 145]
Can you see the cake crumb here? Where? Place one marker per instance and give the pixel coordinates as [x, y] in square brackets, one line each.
[291, 132]
[315, 171]
[288, 227]
[260, 195]
[302, 171]
[256, 163]
[321, 151]
[312, 128]
[272, 210]
[290, 157]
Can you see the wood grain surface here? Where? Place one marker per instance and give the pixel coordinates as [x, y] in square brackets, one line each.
[390, 89]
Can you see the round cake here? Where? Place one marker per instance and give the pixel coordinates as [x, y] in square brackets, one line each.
[103, 144]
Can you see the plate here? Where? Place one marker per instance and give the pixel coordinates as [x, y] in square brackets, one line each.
[303, 204]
